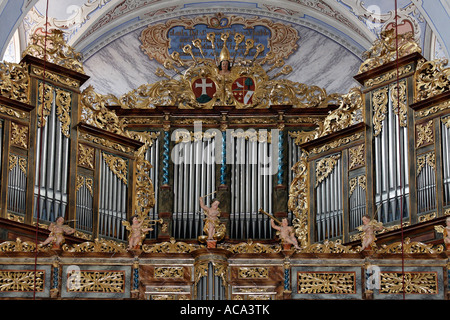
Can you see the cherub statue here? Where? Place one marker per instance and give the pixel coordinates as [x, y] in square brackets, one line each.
[445, 231]
[57, 231]
[138, 228]
[287, 234]
[212, 227]
[368, 228]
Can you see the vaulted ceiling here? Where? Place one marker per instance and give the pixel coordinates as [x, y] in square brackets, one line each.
[333, 34]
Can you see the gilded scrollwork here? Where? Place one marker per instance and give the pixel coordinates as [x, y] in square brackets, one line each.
[357, 181]
[303, 136]
[253, 273]
[399, 105]
[298, 200]
[326, 282]
[409, 282]
[117, 165]
[19, 135]
[349, 112]
[424, 134]
[99, 281]
[432, 78]
[85, 181]
[15, 160]
[45, 103]
[155, 40]
[22, 280]
[169, 272]
[53, 48]
[55, 77]
[171, 246]
[446, 121]
[19, 246]
[328, 247]
[253, 247]
[337, 143]
[13, 113]
[325, 166]
[428, 158]
[389, 48]
[356, 157]
[98, 245]
[106, 143]
[190, 136]
[433, 109]
[380, 105]
[63, 101]
[14, 81]
[388, 76]
[409, 246]
[86, 156]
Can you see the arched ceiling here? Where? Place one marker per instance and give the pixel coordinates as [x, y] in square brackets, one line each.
[333, 33]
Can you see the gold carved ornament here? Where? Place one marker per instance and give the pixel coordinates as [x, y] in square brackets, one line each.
[431, 78]
[253, 273]
[53, 48]
[62, 100]
[201, 270]
[94, 111]
[298, 200]
[380, 101]
[356, 157]
[253, 247]
[19, 135]
[349, 112]
[380, 104]
[86, 156]
[384, 50]
[326, 282]
[424, 134]
[102, 245]
[325, 166]
[409, 282]
[14, 81]
[22, 280]
[357, 181]
[171, 246]
[169, 272]
[446, 121]
[99, 282]
[410, 247]
[428, 159]
[19, 246]
[85, 181]
[399, 106]
[45, 102]
[15, 160]
[155, 41]
[145, 194]
[177, 89]
[117, 165]
[328, 247]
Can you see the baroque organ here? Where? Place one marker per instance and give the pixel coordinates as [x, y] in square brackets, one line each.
[266, 149]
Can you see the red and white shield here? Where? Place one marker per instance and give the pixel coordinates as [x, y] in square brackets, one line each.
[243, 89]
[204, 89]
